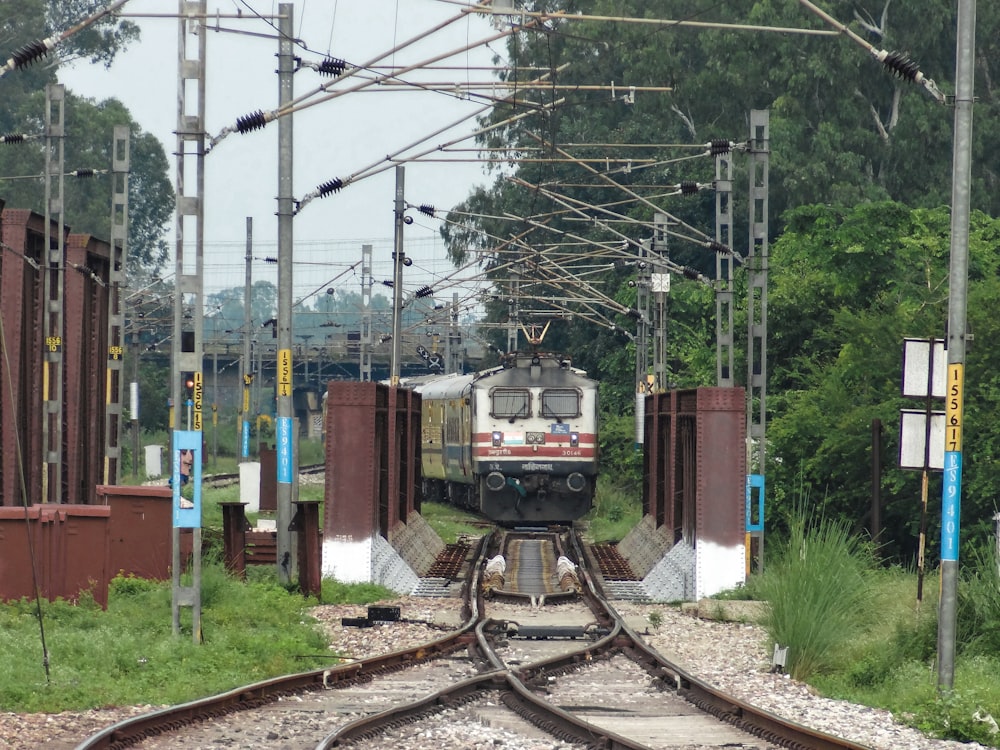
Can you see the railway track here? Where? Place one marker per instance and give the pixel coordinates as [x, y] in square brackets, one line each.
[226, 479]
[534, 662]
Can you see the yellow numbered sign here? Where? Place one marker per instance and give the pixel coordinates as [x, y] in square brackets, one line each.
[285, 372]
[199, 393]
[953, 408]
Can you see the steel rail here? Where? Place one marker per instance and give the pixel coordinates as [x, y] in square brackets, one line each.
[127, 732]
[515, 687]
[514, 695]
[737, 712]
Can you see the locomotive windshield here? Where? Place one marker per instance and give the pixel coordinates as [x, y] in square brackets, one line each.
[562, 403]
[510, 403]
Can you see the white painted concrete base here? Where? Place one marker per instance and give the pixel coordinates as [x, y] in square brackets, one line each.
[687, 573]
[718, 568]
[347, 561]
[370, 561]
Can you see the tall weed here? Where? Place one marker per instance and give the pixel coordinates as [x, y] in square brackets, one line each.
[979, 604]
[616, 510]
[818, 593]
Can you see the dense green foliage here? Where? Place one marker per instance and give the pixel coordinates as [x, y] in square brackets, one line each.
[846, 287]
[859, 248]
[857, 632]
[89, 126]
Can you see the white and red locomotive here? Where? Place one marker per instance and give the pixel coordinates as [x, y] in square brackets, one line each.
[517, 442]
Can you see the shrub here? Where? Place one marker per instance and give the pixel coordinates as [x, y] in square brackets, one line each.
[978, 611]
[818, 593]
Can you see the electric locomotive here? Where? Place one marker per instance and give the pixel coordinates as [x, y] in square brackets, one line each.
[517, 442]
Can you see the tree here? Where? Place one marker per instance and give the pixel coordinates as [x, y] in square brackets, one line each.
[89, 128]
[846, 287]
[843, 130]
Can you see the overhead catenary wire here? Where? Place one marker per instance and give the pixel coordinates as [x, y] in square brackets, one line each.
[577, 206]
[259, 119]
[11, 391]
[673, 192]
[896, 62]
[390, 160]
[33, 51]
[664, 22]
[625, 188]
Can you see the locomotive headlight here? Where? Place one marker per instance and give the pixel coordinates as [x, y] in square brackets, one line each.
[497, 439]
[574, 439]
[495, 481]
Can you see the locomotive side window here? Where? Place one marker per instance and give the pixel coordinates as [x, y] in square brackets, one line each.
[509, 403]
[560, 403]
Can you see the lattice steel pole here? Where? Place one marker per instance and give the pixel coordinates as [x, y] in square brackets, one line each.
[724, 270]
[115, 381]
[643, 281]
[759, 153]
[512, 309]
[659, 287]
[365, 368]
[454, 357]
[54, 291]
[186, 349]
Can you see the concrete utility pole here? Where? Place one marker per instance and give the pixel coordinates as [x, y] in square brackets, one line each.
[285, 431]
[961, 183]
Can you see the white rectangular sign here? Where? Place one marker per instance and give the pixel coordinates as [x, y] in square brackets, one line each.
[918, 357]
[913, 437]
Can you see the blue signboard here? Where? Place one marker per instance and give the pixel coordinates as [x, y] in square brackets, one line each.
[755, 481]
[283, 433]
[951, 505]
[559, 428]
[245, 441]
[187, 512]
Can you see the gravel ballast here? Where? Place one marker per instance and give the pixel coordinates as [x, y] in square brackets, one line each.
[731, 656]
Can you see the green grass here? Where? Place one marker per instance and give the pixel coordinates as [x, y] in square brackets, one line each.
[451, 523]
[890, 663]
[616, 510]
[855, 631]
[129, 655]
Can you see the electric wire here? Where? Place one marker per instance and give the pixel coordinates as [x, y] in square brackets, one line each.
[24, 501]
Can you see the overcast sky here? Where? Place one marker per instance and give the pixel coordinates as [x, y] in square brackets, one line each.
[331, 139]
